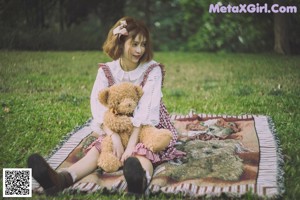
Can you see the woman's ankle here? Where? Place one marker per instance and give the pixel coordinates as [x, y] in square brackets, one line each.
[72, 173]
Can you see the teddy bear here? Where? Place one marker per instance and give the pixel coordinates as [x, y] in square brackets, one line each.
[121, 100]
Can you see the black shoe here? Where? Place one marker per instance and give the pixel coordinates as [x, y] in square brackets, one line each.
[135, 176]
[50, 180]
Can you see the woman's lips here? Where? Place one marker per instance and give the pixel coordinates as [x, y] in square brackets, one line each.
[137, 56]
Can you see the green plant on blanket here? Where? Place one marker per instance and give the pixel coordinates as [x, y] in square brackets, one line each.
[214, 159]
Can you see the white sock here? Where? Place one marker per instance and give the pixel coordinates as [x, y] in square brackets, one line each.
[148, 177]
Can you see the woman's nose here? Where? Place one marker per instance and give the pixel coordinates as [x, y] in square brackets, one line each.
[138, 49]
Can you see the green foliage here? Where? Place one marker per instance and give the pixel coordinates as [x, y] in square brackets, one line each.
[184, 25]
[86, 35]
[229, 32]
[165, 20]
[45, 95]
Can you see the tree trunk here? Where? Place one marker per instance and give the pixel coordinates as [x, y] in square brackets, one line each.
[42, 14]
[61, 16]
[281, 32]
[148, 12]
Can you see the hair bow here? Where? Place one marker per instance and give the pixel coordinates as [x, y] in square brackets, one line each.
[121, 29]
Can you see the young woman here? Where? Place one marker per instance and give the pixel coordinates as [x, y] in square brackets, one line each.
[128, 44]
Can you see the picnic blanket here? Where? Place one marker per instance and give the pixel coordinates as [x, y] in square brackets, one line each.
[230, 155]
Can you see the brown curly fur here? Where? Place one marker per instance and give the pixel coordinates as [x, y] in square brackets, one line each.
[155, 139]
[121, 100]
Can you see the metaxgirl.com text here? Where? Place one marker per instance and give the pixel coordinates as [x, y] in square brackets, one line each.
[251, 8]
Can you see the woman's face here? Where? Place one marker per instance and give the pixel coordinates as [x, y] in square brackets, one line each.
[134, 49]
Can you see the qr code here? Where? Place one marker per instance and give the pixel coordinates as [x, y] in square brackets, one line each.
[17, 182]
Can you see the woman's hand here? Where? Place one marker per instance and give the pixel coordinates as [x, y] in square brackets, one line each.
[131, 143]
[118, 149]
[127, 153]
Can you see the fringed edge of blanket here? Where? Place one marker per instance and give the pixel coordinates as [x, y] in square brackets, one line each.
[280, 158]
[185, 189]
[270, 180]
[192, 115]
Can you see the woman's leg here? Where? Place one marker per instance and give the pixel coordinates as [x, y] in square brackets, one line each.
[85, 165]
[54, 182]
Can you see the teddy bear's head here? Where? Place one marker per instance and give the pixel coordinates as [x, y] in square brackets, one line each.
[121, 98]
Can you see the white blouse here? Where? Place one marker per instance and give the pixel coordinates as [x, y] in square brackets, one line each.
[147, 111]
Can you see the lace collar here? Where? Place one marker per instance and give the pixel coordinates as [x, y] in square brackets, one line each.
[133, 75]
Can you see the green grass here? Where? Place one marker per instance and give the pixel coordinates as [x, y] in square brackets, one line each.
[45, 95]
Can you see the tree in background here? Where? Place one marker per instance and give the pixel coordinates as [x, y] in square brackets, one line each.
[284, 38]
[231, 32]
[164, 18]
[57, 24]
[175, 25]
[246, 32]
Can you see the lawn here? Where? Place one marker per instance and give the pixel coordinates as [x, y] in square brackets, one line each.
[45, 95]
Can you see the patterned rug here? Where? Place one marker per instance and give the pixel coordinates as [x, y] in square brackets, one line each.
[230, 155]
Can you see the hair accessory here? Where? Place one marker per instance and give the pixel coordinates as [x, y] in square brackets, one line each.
[121, 29]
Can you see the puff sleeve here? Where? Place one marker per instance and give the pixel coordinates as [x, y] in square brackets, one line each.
[97, 108]
[147, 111]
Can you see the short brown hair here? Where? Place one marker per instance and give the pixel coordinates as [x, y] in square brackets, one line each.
[114, 44]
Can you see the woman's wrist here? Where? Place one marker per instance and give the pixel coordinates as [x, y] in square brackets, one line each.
[134, 137]
[107, 130]
[115, 135]
[116, 138]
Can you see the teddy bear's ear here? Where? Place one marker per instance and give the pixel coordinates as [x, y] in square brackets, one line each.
[139, 91]
[103, 96]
